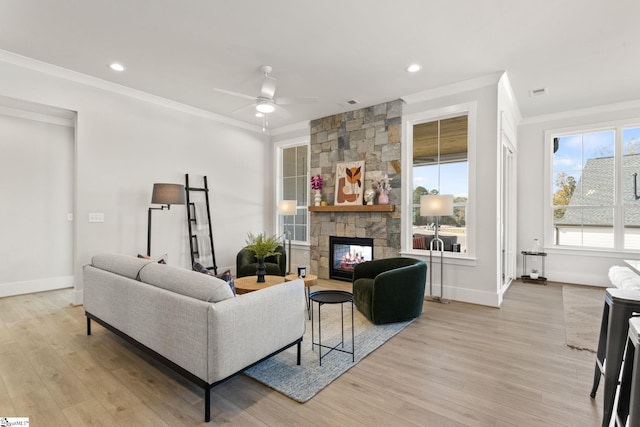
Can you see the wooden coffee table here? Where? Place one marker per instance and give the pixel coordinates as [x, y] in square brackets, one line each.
[250, 283]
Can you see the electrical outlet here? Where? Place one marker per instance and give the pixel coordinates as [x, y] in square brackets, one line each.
[69, 217]
[96, 217]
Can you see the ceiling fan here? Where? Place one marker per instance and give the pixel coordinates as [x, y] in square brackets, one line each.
[266, 103]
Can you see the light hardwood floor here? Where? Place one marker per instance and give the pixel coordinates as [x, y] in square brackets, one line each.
[457, 365]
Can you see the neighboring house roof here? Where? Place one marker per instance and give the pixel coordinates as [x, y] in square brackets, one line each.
[596, 187]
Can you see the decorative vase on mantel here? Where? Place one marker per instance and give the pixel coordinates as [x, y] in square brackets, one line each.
[317, 198]
[383, 198]
[261, 271]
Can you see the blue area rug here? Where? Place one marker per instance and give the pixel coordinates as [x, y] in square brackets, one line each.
[301, 383]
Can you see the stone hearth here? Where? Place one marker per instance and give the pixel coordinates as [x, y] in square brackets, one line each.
[372, 134]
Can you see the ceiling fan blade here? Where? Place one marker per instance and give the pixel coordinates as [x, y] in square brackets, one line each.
[280, 111]
[268, 87]
[301, 100]
[240, 95]
[244, 107]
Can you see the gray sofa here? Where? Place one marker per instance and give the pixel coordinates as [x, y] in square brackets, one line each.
[191, 321]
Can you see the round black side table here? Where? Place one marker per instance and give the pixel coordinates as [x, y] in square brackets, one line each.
[331, 297]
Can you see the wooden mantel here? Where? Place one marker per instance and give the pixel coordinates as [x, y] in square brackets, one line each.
[353, 208]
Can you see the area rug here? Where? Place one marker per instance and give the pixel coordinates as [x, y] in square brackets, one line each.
[582, 316]
[302, 382]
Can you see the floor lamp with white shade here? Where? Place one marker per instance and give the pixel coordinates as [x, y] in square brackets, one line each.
[287, 207]
[436, 205]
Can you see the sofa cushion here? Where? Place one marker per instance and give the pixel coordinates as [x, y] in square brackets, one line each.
[186, 282]
[123, 265]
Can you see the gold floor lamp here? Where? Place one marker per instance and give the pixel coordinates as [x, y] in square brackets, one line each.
[436, 205]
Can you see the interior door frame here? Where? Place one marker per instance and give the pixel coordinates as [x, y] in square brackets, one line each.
[508, 203]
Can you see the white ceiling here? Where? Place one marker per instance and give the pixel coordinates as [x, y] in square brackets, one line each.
[586, 52]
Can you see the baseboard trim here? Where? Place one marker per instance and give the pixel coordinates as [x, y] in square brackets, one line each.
[30, 286]
[472, 296]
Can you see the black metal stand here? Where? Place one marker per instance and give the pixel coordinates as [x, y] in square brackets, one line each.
[149, 225]
[526, 278]
[331, 297]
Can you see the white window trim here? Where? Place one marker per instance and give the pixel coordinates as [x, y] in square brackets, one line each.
[617, 126]
[278, 147]
[408, 122]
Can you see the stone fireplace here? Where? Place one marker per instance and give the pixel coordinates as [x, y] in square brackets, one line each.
[372, 134]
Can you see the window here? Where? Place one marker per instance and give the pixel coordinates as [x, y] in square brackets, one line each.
[593, 182]
[441, 166]
[295, 186]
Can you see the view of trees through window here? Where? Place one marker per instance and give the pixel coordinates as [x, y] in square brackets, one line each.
[587, 176]
[441, 166]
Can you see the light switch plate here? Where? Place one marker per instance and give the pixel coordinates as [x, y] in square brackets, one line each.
[96, 217]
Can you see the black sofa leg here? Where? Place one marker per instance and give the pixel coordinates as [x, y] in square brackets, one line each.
[88, 326]
[207, 405]
[299, 345]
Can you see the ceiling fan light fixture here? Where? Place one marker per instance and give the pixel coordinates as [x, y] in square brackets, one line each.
[265, 107]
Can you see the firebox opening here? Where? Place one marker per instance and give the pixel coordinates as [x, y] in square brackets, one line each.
[345, 253]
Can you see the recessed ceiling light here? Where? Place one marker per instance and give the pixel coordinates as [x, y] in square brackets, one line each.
[413, 68]
[117, 66]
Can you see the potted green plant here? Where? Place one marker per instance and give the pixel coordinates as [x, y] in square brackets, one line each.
[534, 273]
[262, 246]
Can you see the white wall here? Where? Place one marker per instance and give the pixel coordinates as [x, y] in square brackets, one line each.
[125, 143]
[36, 189]
[579, 267]
[473, 279]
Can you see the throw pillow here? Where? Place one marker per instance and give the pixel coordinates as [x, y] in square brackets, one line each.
[226, 276]
[419, 242]
[159, 260]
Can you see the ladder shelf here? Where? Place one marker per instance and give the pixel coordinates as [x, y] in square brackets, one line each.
[194, 222]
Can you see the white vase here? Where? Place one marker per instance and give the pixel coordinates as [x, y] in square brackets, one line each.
[318, 198]
[533, 275]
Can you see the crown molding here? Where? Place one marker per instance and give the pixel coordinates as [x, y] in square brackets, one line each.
[600, 109]
[452, 89]
[74, 76]
[29, 115]
[303, 125]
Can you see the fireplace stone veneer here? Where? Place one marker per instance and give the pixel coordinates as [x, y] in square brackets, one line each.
[372, 134]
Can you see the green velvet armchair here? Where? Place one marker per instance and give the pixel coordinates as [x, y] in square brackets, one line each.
[390, 290]
[246, 263]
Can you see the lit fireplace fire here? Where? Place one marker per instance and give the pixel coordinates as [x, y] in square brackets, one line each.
[347, 252]
[350, 260]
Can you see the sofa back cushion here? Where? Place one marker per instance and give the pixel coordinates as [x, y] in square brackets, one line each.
[186, 282]
[123, 265]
